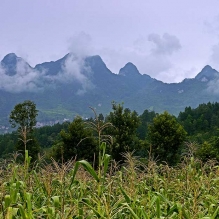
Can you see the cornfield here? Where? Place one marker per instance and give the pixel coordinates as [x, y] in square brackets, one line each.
[135, 189]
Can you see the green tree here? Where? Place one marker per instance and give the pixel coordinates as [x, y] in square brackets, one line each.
[125, 124]
[23, 116]
[166, 136]
[7, 143]
[77, 141]
[209, 149]
[146, 118]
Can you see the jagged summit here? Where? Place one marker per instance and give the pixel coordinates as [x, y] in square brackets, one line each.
[9, 56]
[207, 68]
[97, 67]
[206, 74]
[9, 63]
[95, 61]
[52, 67]
[129, 70]
[10, 59]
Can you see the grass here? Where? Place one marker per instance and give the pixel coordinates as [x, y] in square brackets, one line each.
[134, 190]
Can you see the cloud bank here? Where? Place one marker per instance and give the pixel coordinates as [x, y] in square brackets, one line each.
[25, 79]
[73, 69]
[165, 45]
[213, 87]
[153, 55]
[28, 79]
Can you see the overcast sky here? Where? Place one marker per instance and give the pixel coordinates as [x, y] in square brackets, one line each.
[169, 40]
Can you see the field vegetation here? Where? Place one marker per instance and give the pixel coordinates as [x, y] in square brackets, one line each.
[121, 166]
[134, 189]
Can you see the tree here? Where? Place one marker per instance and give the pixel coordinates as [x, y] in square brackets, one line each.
[209, 149]
[146, 118]
[166, 136]
[24, 116]
[77, 141]
[125, 124]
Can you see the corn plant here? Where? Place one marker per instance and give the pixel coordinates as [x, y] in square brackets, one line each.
[132, 190]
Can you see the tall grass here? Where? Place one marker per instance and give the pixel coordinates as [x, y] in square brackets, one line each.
[134, 190]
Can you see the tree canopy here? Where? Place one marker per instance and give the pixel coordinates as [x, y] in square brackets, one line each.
[125, 123]
[76, 141]
[128, 131]
[24, 115]
[166, 136]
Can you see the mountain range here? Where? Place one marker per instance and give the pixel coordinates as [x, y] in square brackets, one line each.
[67, 87]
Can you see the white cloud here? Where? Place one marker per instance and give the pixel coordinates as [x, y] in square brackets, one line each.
[165, 45]
[80, 44]
[213, 86]
[212, 26]
[214, 57]
[31, 80]
[150, 54]
[26, 79]
[74, 69]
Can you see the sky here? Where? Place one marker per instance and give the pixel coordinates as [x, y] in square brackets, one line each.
[169, 40]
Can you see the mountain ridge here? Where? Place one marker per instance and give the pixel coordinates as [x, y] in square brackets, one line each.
[68, 86]
[129, 67]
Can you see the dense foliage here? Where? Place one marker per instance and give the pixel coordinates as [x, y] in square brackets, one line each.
[202, 120]
[145, 120]
[166, 136]
[123, 130]
[76, 142]
[202, 126]
[128, 132]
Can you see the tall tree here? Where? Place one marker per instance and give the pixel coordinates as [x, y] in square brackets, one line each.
[166, 136]
[23, 116]
[77, 141]
[125, 124]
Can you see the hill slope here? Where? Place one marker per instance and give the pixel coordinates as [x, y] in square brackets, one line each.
[67, 87]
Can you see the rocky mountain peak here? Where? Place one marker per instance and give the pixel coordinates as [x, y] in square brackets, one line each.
[129, 70]
[206, 74]
[9, 63]
[10, 59]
